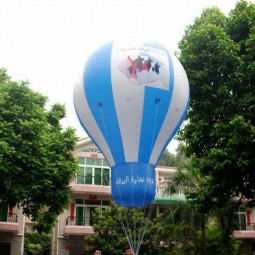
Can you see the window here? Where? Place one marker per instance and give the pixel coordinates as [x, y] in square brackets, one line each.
[106, 176]
[97, 176]
[85, 208]
[241, 213]
[88, 175]
[85, 175]
[105, 162]
[3, 212]
[80, 216]
[94, 161]
[93, 171]
[81, 160]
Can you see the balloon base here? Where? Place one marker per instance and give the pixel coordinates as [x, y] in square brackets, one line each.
[133, 184]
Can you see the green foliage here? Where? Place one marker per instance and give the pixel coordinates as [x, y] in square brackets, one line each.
[36, 244]
[109, 237]
[179, 229]
[215, 243]
[36, 155]
[218, 55]
[112, 227]
[167, 159]
[183, 235]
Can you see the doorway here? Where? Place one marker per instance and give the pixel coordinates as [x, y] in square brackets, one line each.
[5, 248]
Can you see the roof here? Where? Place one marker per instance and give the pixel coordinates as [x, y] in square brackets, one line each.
[168, 199]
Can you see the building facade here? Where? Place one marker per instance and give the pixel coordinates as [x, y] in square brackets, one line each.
[12, 225]
[246, 229]
[91, 189]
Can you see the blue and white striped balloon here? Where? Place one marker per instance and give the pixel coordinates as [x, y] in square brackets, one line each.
[131, 101]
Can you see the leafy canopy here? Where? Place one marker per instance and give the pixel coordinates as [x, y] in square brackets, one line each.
[116, 225]
[218, 55]
[35, 243]
[36, 160]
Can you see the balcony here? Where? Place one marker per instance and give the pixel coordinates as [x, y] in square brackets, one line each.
[245, 232]
[162, 198]
[9, 223]
[78, 226]
[91, 185]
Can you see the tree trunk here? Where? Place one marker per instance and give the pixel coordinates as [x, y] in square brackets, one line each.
[203, 238]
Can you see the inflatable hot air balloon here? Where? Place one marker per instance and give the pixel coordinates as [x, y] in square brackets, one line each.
[131, 101]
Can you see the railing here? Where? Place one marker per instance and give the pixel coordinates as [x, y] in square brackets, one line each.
[248, 226]
[10, 217]
[92, 180]
[161, 191]
[79, 221]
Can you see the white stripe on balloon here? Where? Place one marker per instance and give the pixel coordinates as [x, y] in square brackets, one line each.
[176, 109]
[86, 117]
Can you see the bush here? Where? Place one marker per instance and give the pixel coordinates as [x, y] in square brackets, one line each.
[36, 244]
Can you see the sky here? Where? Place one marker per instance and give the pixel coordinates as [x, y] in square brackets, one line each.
[47, 42]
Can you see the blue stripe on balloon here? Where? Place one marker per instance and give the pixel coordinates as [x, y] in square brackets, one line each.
[88, 133]
[176, 128]
[97, 77]
[154, 113]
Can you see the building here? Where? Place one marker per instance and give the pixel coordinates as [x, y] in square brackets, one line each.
[246, 231]
[12, 228]
[91, 189]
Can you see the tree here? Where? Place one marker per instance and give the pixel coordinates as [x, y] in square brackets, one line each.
[36, 160]
[189, 180]
[36, 244]
[218, 55]
[113, 225]
[167, 159]
[196, 231]
[178, 232]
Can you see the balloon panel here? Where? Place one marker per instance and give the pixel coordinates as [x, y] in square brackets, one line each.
[134, 184]
[131, 101]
